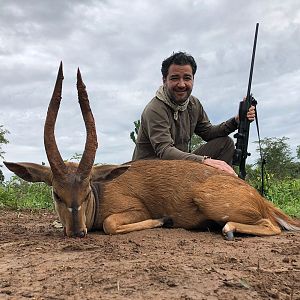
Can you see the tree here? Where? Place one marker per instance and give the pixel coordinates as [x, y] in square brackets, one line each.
[278, 155]
[298, 152]
[3, 140]
[133, 134]
[76, 157]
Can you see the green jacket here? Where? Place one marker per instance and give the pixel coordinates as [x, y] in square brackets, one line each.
[166, 136]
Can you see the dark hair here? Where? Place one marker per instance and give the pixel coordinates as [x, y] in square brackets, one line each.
[178, 58]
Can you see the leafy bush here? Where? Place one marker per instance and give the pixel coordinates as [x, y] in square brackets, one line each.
[19, 194]
[286, 195]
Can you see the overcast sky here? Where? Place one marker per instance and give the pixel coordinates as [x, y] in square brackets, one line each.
[119, 46]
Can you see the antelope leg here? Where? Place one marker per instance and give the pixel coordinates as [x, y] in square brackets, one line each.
[262, 227]
[131, 221]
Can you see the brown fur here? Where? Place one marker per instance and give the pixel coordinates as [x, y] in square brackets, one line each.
[188, 192]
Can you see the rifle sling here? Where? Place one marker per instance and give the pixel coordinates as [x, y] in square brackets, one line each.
[263, 162]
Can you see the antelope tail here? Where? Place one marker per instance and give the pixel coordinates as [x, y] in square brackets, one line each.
[286, 222]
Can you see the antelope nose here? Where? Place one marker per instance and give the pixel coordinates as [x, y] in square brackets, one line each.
[80, 234]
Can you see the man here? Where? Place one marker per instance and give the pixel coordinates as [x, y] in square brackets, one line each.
[173, 115]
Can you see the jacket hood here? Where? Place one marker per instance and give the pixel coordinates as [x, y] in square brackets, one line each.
[162, 95]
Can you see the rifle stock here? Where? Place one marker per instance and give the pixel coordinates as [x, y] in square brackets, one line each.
[241, 147]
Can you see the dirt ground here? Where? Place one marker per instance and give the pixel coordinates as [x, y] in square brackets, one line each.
[37, 262]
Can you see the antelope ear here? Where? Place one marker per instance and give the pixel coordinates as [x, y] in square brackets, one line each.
[31, 172]
[108, 172]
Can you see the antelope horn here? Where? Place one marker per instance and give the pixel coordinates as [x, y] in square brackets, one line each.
[56, 162]
[91, 145]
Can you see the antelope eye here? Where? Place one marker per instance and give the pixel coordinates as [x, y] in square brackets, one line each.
[56, 197]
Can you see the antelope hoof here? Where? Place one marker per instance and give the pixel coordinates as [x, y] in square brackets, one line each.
[229, 236]
[228, 232]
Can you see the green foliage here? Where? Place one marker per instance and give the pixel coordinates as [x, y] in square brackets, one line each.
[3, 140]
[1, 176]
[77, 157]
[133, 134]
[285, 194]
[278, 156]
[196, 142]
[19, 194]
[281, 175]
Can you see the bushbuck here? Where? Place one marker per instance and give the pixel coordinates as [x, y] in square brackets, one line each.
[147, 193]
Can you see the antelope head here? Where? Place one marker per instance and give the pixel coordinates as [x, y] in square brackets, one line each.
[72, 191]
[71, 182]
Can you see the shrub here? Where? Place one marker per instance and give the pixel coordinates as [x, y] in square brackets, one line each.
[19, 194]
[285, 194]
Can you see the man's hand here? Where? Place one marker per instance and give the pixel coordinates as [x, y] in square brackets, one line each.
[251, 113]
[219, 164]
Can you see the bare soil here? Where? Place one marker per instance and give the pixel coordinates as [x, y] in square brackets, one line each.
[38, 262]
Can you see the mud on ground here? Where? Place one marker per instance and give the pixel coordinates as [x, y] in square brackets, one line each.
[37, 262]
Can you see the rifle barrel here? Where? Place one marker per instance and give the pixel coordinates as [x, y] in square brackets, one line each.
[252, 61]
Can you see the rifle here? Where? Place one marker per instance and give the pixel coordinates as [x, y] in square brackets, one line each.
[241, 147]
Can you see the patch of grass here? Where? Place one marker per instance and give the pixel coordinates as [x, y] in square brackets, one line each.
[286, 195]
[19, 194]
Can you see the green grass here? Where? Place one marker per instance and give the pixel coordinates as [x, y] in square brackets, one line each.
[285, 194]
[19, 194]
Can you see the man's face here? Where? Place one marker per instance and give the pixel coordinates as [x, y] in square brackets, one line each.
[179, 83]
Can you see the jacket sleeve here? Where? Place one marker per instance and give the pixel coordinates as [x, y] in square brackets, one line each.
[207, 131]
[157, 126]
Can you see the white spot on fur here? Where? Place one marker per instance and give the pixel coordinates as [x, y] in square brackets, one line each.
[226, 228]
[225, 217]
[70, 209]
